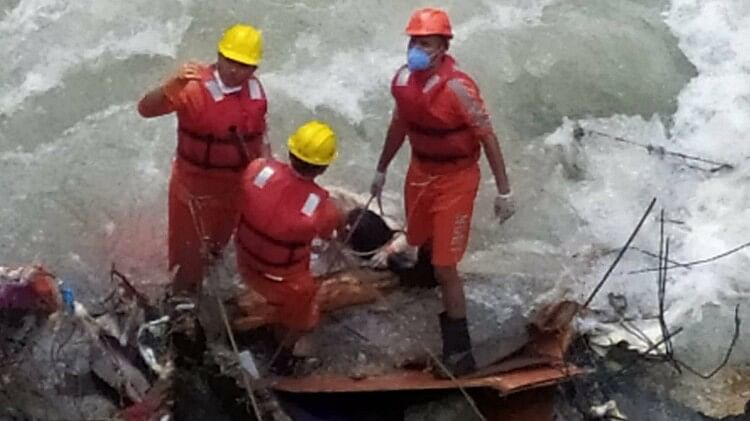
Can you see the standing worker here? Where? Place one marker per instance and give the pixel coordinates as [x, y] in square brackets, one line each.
[221, 128]
[441, 111]
[283, 210]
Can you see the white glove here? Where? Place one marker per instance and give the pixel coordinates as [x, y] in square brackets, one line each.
[397, 246]
[504, 207]
[380, 259]
[376, 188]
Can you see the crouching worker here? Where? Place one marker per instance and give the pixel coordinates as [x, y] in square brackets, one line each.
[282, 211]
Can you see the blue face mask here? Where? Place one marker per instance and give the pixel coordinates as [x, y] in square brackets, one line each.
[417, 59]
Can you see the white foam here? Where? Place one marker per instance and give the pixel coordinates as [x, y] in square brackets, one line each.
[38, 60]
[712, 209]
[714, 108]
[344, 80]
[502, 16]
[713, 119]
[342, 83]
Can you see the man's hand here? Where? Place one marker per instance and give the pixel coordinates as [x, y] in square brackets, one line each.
[380, 259]
[504, 207]
[167, 97]
[187, 72]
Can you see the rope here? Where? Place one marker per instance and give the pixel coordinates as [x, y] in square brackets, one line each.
[380, 206]
[194, 203]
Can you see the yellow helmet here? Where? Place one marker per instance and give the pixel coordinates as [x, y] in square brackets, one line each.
[314, 142]
[242, 43]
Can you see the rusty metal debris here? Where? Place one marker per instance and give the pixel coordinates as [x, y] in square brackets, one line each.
[506, 383]
[538, 366]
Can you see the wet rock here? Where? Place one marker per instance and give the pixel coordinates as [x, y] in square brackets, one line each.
[44, 376]
[402, 328]
[119, 373]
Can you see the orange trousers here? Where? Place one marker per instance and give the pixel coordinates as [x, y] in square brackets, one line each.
[203, 213]
[439, 208]
[292, 297]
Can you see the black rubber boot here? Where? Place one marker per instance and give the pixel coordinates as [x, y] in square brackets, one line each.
[457, 355]
[420, 275]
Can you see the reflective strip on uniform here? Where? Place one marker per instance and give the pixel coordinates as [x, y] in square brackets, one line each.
[402, 79]
[263, 176]
[215, 90]
[431, 83]
[312, 202]
[473, 105]
[255, 91]
[273, 278]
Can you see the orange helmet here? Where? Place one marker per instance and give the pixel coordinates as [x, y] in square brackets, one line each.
[429, 21]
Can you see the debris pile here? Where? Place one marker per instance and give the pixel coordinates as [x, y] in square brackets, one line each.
[147, 356]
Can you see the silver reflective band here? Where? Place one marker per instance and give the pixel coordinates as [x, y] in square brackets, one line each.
[403, 77]
[273, 277]
[215, 90]
[255, 91]
[431, 83]
[312, 202]
[261, 179]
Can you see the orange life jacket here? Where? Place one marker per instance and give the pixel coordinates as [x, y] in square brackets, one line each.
[436, 131]
[278, 219]
[228, 134]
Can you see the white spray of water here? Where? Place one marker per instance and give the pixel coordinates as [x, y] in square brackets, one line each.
[41, 48]
[346, 79]
[710, 212]
[336, 84]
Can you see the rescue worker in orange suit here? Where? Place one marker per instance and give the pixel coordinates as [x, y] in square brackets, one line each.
[440, 110]
[282, 211]
[221, 128]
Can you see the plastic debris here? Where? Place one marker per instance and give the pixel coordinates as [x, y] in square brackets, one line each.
[68, 298]
[607, 410]
[152, 341]
[29, 288]
[248, 364]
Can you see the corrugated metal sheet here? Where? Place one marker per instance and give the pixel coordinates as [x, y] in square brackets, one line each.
[539, 364]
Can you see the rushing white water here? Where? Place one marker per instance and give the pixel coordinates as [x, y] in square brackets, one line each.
[709, 210]
[84, 178]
